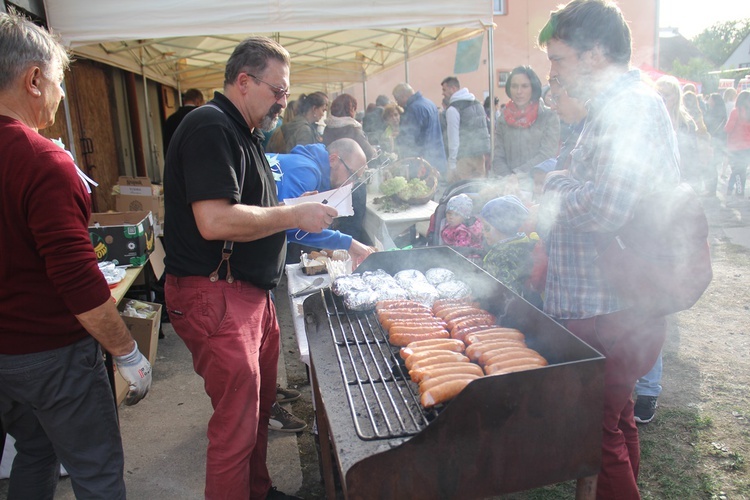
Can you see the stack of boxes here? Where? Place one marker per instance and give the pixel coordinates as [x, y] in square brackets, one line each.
[137, 194]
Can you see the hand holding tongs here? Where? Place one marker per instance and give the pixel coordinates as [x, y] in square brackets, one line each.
[301, 234]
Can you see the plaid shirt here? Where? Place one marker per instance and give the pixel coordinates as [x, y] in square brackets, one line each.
[627, 149]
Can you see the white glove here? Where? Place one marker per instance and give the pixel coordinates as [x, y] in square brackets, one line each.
[136, 370]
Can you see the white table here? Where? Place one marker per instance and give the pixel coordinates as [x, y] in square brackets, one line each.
[296, 281]
[382, 227]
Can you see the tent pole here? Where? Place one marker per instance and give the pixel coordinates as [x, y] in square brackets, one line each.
[364, 90]
[69, 123]
[491, 69]
[149, 128]
[406, 57]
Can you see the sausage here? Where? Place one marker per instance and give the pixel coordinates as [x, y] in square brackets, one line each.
[517, 361]
[498, 355]
[481, 318]
[479, 328]
[394, 314]
[423, 355]
[448, 357]
[407, 351]
[443, 392]
[499, 369]
[475, 350]
[416, 328]
[426, 385]
[382, 305]
[403, 339]
[442, 303]
[419, 374]
[453, 314]
[431, 324]
[471, 338]
[423, 343]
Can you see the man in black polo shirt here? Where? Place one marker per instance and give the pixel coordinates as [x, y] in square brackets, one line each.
[219, 189]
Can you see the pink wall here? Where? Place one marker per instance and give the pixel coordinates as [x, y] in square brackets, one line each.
[514, 44]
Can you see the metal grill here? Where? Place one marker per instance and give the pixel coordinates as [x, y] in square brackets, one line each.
[382, 402]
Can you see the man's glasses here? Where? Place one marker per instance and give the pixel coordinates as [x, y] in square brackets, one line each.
[278, 92]
[351, 172]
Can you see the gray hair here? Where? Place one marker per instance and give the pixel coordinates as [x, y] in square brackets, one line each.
[252, 56]
[23, 44]
[402, 90]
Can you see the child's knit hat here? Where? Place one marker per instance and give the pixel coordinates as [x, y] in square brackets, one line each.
[461, 204]
[506, 214]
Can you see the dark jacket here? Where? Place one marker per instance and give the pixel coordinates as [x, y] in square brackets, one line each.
[420, 134]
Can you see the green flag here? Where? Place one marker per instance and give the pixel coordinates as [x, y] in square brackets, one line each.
[468, 54]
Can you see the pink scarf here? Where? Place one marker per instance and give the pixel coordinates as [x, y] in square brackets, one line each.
[520, 118]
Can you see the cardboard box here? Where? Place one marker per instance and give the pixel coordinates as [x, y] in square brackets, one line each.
[122, 237]
[137, 194]
[145, 331]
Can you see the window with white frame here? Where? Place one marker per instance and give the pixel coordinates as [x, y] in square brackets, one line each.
[499, 7]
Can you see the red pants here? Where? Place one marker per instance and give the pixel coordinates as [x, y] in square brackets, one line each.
[631, 343]
[232, 333]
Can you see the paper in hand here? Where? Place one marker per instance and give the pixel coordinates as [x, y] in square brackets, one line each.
[339, 198]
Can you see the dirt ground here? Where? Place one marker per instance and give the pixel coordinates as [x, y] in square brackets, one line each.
[698, 446]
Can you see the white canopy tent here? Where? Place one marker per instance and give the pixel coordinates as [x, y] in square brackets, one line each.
[186, 43]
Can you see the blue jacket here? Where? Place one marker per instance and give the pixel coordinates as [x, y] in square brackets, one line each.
[420, 133]
[306, 168]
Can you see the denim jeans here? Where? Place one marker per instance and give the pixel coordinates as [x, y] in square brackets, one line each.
[650, 383]
[58, 405]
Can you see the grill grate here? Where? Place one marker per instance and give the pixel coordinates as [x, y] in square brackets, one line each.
[382, 402]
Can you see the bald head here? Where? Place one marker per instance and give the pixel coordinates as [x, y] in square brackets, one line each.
[346, 157]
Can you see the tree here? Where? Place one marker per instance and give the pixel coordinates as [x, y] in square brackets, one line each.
[697, 70]
[718, 41]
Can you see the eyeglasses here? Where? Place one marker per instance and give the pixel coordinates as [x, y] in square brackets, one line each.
[351, 172]
[278, 92]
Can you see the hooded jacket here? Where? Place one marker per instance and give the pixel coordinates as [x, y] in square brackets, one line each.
[466, 127]
[305, 169]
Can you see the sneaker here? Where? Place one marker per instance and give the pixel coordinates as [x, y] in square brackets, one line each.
[285, 395]
[274, 494]
[283, 421]
[645, 409]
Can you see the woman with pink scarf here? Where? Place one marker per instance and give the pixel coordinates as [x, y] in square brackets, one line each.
[527, 132]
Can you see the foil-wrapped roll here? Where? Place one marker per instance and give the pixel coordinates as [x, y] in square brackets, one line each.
[385, 285]
[361, 300]
[348, 283]
[453, 289]
[409, 276]
[437, 275]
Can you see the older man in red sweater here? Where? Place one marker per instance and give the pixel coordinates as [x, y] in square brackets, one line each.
[55, 305]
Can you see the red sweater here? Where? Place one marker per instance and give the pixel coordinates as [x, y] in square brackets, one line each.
[48, 269]
[738, 132]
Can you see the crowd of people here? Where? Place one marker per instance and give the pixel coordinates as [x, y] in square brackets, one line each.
[571, 160]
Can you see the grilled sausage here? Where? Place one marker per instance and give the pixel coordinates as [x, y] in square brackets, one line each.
[510, 363]
[423, 343]
[407, 351]
[426, 385]
[454, 314]
[402, 339]
[424, 355]
[382, 305]
[481, 318]
[419, 374]
[443, 303]
[443, 392]
[475, 350]
[472, 338]
[500, 370]
[448, 357]
[498, 355]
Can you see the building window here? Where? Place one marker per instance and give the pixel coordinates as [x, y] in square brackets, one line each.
[499, 7]
[502, 78]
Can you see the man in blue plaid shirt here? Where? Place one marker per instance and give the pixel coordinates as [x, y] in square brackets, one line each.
[627, 149]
